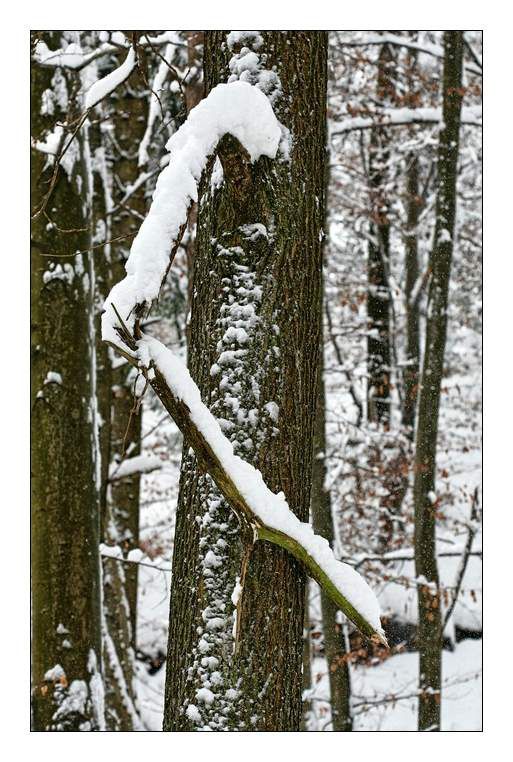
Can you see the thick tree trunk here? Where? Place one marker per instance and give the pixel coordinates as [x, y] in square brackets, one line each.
[66, 645]
[322, 519]
[430, 627]
[255, 316]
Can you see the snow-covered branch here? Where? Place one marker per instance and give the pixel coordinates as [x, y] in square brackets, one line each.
[105, 86]
[398, 117]
[140, 464]
[238, 109]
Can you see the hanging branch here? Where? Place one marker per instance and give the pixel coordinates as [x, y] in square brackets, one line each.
[472, 529]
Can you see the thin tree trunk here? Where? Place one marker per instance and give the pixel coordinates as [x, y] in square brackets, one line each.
[411, 373]
[378, 294]
[256, 293]
[66, 644]
[129, 121]
[322, 518]
[414, 206]
[430, 624]
[121, 506]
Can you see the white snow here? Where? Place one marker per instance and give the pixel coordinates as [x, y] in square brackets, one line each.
[55, 674]
[205, 696]
[103, 87]
[140, 464]
[52, 377]
[238, 109]
[396, 116]
[193, 713]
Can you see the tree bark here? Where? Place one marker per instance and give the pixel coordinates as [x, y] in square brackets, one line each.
[414, 205]
[121, 526]
[378, 293]
[430, 629]
[258, 269]
[66, 644]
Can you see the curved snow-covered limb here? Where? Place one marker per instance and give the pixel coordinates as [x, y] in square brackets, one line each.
[471, 115]
[238, 109]
[103, 87]
[267, 514]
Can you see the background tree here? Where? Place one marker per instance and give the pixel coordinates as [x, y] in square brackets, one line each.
[426, 567]
[66, 648]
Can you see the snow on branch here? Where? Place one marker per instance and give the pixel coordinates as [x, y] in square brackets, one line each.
[103, 87]
[140, 464]
[436, 51]
[267, 514]
[238, 109]
[471, 115]
[73, 57]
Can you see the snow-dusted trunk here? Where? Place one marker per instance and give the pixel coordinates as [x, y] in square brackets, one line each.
[66, 646]
[129, 123]
[322, 519]
[430, 625]
[128, 119]
[379, 354]
[255, 329]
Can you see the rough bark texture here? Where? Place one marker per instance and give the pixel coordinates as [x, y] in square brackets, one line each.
[65, 516]
[378, 294]
[258, 268]
[430, 629]
[322, 519]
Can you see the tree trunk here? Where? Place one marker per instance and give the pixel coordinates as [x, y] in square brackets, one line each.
[322, 518]
[66, 645]
[430, 629]
[128, 120]
[414, 205]
[378, 293]
[256, 302]
[411, 373]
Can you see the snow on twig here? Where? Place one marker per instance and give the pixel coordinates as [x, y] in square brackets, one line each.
[105, 86]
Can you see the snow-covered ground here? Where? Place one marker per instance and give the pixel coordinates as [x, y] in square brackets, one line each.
[374, 689]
